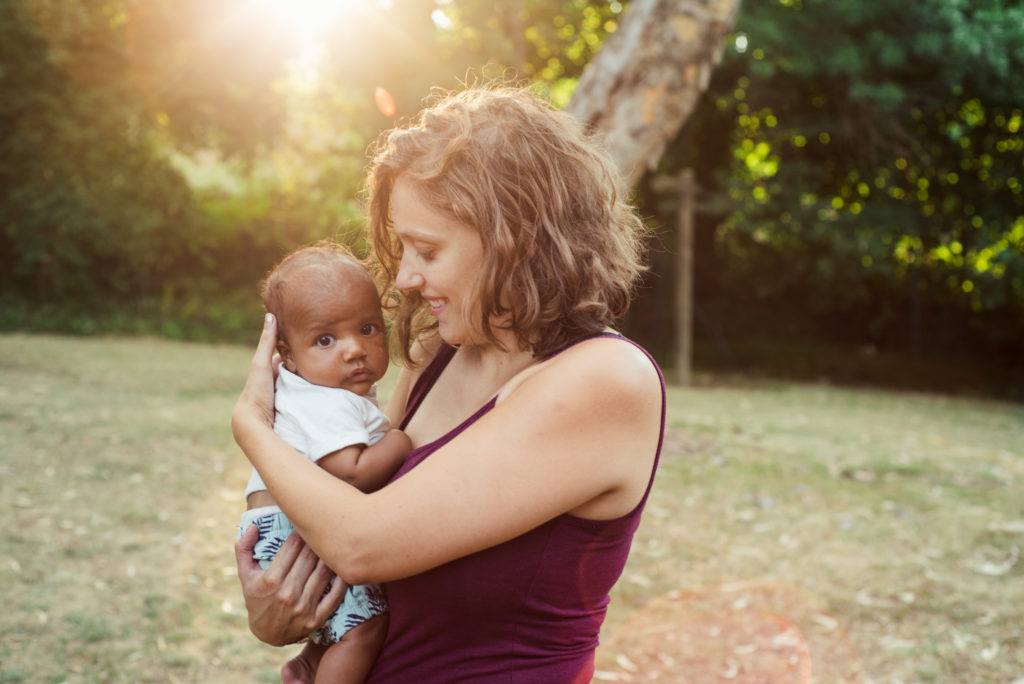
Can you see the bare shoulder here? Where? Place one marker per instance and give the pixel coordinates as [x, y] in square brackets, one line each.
[595, 412]
[613, 365]
[599, 369]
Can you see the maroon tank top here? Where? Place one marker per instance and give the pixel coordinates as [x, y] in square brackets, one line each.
[526, 610]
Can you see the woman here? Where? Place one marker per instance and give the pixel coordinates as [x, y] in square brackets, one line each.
[535, 427]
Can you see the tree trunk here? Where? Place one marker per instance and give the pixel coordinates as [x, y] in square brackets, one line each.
[646, 79]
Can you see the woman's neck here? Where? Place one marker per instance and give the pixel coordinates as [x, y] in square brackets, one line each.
[493, 365]
[473, 376]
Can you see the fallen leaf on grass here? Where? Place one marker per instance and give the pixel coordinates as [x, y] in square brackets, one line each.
[860, 475]
[989, 653]
[865, 598]
[625, 663]
[828, 623]
[892, 643]
[995, 569]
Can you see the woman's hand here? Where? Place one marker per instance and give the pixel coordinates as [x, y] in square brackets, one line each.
[286, 601]
[256, 402]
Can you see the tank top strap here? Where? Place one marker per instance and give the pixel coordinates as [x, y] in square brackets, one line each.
[445, 353]
[426, 381]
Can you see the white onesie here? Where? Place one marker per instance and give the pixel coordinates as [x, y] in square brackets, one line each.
[317, 420]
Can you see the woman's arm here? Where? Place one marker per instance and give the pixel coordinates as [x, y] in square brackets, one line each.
[578, 436]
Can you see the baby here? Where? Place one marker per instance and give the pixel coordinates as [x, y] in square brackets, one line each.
[333, 348]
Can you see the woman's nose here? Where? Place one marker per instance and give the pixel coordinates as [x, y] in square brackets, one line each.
[407, 277]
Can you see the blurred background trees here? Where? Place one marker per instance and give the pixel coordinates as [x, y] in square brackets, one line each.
[860, 164]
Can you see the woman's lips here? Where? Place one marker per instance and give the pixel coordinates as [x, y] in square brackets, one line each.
[436, 305]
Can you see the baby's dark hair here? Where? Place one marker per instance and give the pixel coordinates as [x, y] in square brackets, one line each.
[326, 255]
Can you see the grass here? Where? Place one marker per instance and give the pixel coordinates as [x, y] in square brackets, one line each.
[887, 526]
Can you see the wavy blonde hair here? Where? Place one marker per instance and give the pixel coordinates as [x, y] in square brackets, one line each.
[562, 249]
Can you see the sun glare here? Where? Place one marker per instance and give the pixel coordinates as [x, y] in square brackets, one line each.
[307, 19]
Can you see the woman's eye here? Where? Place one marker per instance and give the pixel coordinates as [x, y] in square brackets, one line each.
[425, 256]
[369, 329]
[324, 341]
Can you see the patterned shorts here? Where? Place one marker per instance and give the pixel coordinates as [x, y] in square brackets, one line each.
[361, 603]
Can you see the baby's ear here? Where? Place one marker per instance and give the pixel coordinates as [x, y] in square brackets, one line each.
[286, 355]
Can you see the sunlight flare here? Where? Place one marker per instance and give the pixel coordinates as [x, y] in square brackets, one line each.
[306, 17]
[385, 102]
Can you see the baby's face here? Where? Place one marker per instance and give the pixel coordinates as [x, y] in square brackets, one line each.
[335, 333]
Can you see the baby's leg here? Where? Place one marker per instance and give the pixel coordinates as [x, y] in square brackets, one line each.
[351, 659]
[302, 668]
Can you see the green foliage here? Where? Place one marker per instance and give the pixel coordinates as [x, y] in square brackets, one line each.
[540, 40]
[88, 211]
[143, 190]
[206, 71]
[861, 161]
[158, 158]
[874, 159]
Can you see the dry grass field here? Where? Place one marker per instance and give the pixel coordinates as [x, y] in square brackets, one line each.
[796, 532]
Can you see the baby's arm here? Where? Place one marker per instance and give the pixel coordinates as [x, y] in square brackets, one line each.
[368, 467]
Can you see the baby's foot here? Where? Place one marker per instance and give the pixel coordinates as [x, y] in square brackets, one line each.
[302, 668]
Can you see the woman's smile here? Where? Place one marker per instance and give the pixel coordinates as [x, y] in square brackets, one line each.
[436, 305]
[441, 258]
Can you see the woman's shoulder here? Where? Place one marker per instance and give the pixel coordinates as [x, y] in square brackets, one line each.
[598, 365]
[609, 360]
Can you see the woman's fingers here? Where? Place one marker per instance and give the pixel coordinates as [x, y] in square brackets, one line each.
[325, 603]
[304, 586]
[295, 577]
[267, 343]
[257, 399]
[284, 601]
[247, 565]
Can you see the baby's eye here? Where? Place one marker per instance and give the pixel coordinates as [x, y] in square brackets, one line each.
[324, 340]
[425, 256]
[369, 329]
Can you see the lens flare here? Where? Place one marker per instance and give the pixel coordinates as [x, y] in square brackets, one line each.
[385, 103]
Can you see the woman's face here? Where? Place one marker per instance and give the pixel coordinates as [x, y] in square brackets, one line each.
[441, 258]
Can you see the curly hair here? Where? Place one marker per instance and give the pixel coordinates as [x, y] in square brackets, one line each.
[562, 249]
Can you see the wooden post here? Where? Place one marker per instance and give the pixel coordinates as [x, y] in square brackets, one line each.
[685, 187]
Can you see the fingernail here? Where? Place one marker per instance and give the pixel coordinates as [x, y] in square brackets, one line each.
[267, 320]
